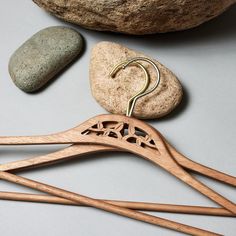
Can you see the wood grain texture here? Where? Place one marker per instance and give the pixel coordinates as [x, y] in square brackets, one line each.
[105, 206]
[149, 145]
[80, 150]
[128, 134]
[142, 206]
[68, 153]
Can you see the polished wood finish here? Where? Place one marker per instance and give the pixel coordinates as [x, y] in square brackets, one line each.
[141, 206]
[105, 205]
[116, 131]
[78, 150]
[125, 134]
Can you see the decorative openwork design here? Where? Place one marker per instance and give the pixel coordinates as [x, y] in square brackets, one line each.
[121, 131]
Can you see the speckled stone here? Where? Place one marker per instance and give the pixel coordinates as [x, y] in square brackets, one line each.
[114, 93]
[136, 16]
[42, 56]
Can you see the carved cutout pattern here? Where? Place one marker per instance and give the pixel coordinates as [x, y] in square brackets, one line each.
[122, 131]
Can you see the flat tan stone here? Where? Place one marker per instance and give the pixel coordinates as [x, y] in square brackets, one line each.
[136, 16]
[114, 93]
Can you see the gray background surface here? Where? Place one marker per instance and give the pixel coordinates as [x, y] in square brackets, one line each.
[203, 128]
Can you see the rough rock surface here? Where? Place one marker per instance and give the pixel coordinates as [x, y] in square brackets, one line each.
[42, 56]
[114, 93]
[136, 16]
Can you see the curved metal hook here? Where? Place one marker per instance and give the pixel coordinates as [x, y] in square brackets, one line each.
[141, 93]
[133, 99]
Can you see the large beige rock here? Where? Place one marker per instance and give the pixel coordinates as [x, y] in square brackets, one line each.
[136, 16]
[114, 93]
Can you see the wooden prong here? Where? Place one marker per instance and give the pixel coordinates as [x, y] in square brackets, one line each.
[105, 206]
[142, 206]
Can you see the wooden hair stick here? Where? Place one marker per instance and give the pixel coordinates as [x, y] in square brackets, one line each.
[142, 206]
[105, 206]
